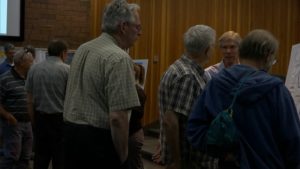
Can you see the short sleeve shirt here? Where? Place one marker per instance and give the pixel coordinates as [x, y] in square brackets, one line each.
[179, 87]
[100, 81]
[47, 82]
[181, 84]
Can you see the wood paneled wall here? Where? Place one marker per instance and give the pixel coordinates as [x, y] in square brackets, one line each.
[165, 21]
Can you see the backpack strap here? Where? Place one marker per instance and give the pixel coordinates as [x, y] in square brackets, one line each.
[237, 92]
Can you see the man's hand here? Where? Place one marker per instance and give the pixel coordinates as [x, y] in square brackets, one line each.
[11, 119]
[156, 157]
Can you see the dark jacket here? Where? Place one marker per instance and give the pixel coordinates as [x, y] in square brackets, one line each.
[264, 114]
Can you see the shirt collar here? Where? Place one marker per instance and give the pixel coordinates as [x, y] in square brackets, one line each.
[193, 64]
[110, 37]
[54, 58]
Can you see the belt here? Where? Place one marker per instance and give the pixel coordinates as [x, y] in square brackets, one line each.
[42, 112]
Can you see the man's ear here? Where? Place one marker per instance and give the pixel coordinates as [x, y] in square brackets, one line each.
[268, 58]
[207, 50]
[123, 27]
[61, 55]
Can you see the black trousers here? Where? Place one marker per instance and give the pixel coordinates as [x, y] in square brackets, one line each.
[48, 141]
[89, 147]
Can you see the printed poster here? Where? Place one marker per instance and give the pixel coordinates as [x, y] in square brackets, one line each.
[293, 76]
[143, 62]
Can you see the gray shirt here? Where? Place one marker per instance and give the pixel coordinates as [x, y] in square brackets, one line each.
[47, 81]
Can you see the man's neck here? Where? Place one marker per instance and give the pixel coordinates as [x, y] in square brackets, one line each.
[197, 59]
[230, 63]
[119, 41]
[20, 72]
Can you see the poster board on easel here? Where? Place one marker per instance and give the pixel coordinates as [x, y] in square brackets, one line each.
[293, 76]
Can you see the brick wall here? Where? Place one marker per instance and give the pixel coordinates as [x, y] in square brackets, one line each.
[298, 22]
[49, 19]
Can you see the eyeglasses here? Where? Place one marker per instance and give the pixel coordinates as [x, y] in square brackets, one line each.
[138, 27]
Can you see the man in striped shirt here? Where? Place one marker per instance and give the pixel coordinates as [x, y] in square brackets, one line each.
[16, 126]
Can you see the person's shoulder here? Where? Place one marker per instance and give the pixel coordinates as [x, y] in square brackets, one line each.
[3, 66]
[89, 46]
[214, 69]
[118, 55]
[171, 70]
[66, 67]
[2, 75]
[37, 65]
[6, 75]
[2, 63]
[178, 68]
[63, 65]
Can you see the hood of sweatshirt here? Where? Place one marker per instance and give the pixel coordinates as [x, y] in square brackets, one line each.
[249, 83]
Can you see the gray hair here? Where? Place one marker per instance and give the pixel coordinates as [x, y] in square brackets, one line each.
[230, 35]
[198, 38]
[258, 45]
[116, 12]
[8, 46]
[20, 55]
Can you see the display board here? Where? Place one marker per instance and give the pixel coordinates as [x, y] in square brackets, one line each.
[293, 76]
[144, 63]
[2, 54]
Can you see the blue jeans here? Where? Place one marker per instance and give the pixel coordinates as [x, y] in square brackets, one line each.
[17, 145]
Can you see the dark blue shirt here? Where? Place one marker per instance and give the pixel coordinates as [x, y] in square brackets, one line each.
[5, 66]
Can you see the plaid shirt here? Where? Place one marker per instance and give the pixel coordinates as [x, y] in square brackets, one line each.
[179, 87]
[100, 81]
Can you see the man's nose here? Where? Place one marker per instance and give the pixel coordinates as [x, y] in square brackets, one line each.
[228, 50]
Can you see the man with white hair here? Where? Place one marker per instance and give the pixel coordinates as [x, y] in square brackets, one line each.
[180, 85]
[101, 93]
[15, 120]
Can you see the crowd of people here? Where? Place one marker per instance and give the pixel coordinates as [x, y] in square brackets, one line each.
[88, 114]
